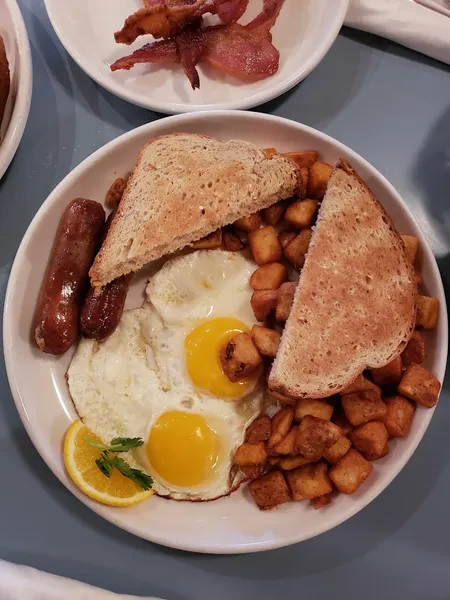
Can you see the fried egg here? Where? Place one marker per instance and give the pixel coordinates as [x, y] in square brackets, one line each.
[158, 377]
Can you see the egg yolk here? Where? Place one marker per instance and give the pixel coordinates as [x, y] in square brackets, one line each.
[203, 346]
[183, 448]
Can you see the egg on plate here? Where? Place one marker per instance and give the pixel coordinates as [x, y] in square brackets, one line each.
[158, 377]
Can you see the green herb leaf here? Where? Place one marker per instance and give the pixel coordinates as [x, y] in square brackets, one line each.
[118, 444]
[107, 463]
[139, 477]
[104, 466]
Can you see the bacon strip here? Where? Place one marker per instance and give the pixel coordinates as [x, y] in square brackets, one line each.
[232, 10]
[267, 16]
[155, 52]
[190, 48]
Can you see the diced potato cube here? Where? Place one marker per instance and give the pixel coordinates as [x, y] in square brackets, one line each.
[284, 300]
[420, 385]
[252, 471]
[319, 176]
[250, 223]
[314, 436]
[286, 238]
[296, 251]
[263, 302]
[259, 430]
[281, 423]
[305, 176]
[350, 472]
[273, 460]
[360, 384]
[231, 241]
[115, 192]
[239, 357]
[390, 374]
[270, 490]
[269, 277]
[310, 481]
[286, 446]
[266, 340]
[341, 420]
[301, 214]
[274, 213]
[427, 315]
[399, 416]
[269, 152]
[370, 439]
[265, 245]
[303, 159]
[316, 408]
[414, 352]
[411, 246]
[322, 501]
[338, 450]
[418, 278]
[287, 463]
[210, 242]
[250, 454]
[362, 407]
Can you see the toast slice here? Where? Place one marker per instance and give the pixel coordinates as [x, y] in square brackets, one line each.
[354, 306]
[183, 187]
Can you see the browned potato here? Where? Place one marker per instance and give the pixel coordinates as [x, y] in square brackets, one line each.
[265, 245]
[270, 490]
[286, 446]
[231, 241]
[371, 439]
[303, 159]
[250, 223]
[350, 472]
[414, 352]
[269, 152]
[259, 430]
[316, 408]
[305, 176]
[301, 214]
[273, 460]
[418, 277]
[263, 302]
[310, 481]
[284, 300]
[390, 374]
[287, 463]
[362, 407]
[399, 416]
[360, 384]
[427, 315]
[420, 385]
[322, 501]
[239, 357]
[250, 454]
[283, 399]
[341, 421]
[296, 251]
[338, 450]
[269, 277]
[411, 246]
[286, 238]
[314, 436]
[115, 192]
[210, 242]
[274, 213]
[281, 423]
[266, 340]
[252, 471]
[319, 175]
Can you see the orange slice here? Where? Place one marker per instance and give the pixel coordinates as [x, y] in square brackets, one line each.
[79, 459]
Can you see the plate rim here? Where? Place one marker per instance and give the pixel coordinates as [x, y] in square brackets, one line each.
[111, 514]
[22, 104]
[173, 108]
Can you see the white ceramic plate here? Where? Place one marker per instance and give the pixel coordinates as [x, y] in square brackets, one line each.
[12, 29]
[304, 32]
[228, 525]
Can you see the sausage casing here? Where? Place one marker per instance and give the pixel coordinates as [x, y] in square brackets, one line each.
[77, 240]
[102, 309]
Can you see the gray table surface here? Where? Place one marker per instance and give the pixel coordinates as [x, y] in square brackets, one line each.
[393, 107]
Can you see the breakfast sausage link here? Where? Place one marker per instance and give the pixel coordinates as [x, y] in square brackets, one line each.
[102, 309]
[77, 240]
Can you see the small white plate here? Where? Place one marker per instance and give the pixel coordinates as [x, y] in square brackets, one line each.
[228, 525]
[303, 34]
[14, 33]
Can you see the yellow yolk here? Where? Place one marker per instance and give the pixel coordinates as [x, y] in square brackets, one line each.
[182, 448]
[203, 346]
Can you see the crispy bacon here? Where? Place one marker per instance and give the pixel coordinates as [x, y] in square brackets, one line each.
[162, 20]
[232, 10]
[267, 16]
[155, 52]
[190, 49]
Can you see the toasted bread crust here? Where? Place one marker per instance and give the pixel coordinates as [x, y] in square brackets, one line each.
[354, 307]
